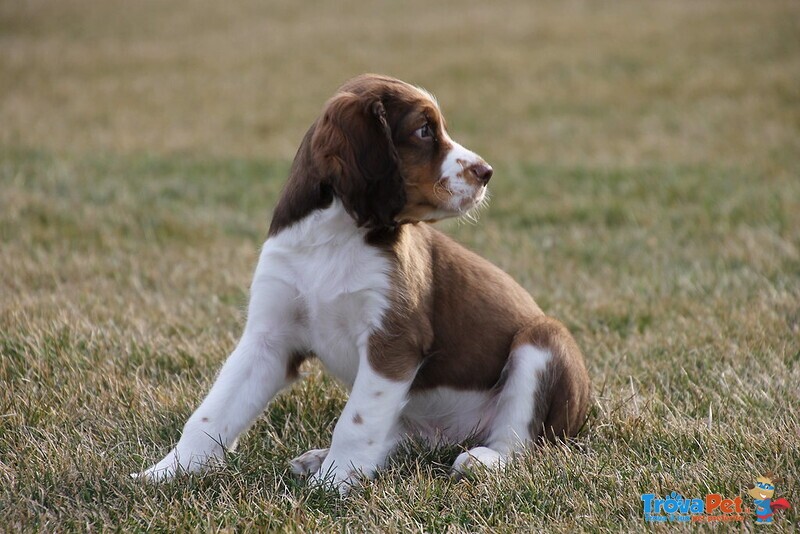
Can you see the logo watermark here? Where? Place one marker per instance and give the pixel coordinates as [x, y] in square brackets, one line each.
[714, 507]
[762, 492]
[676, 508]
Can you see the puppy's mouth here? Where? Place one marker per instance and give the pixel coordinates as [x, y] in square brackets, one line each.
[476, 200]
[456, 199]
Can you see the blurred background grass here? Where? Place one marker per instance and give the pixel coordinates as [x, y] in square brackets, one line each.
[611, 83]
[647, 192]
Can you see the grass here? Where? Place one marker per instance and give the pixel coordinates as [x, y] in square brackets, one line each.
[647, 160]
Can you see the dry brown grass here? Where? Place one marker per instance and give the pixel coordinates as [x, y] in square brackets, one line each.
[647, 192]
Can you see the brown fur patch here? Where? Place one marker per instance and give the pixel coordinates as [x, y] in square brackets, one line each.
[453, 316]
[396, 351]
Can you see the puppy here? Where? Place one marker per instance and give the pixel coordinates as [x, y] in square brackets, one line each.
[430, 339]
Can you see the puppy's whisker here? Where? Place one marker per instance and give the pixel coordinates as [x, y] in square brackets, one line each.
[437, 186]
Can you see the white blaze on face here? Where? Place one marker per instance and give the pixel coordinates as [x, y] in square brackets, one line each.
[464, 188]
[466, 191]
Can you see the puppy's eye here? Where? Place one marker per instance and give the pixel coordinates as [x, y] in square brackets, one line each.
[424, 132]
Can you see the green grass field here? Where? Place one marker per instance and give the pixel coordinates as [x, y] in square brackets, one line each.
[646, 192]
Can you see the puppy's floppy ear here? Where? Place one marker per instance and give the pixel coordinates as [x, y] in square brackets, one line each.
[353, 149]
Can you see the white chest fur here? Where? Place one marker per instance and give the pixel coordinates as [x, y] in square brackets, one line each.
[339, 283]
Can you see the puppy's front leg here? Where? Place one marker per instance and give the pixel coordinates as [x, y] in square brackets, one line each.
[256, 370]
[367, 430]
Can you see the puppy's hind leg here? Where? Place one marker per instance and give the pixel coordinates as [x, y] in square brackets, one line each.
[562, 401]
[509, 431]
[544, 394]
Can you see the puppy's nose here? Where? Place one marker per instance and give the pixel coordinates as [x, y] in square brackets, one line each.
[482, 171]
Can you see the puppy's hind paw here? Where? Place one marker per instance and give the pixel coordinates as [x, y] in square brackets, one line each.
[309, 462]
[476, 458]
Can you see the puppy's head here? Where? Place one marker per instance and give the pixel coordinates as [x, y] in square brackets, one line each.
[383, 146]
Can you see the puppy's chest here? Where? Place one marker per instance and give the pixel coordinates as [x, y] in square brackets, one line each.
[342, 285]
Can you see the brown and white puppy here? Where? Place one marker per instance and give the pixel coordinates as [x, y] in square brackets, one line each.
[431, 339]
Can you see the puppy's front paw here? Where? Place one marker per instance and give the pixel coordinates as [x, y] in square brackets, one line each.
[162, 471]
[342, 476]
[174, 463]
[309, 462]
